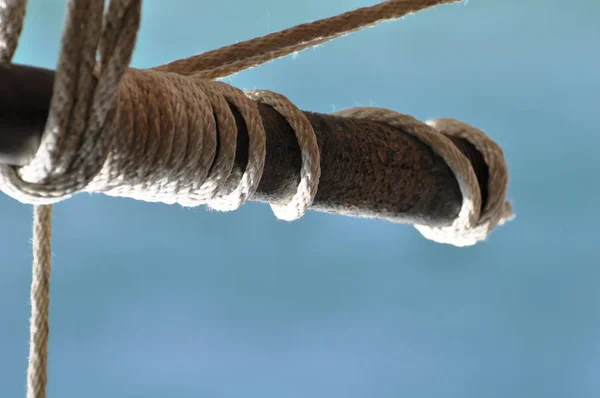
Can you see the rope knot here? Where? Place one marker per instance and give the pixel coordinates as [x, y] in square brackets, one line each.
[79, 129]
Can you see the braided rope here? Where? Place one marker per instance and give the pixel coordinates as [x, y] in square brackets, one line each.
[229, 60]
[311, 159]
[153, 134]
[471, 225]
[40, 303]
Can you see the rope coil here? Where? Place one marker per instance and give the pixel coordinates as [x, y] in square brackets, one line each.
[168, 135]
[472, 225]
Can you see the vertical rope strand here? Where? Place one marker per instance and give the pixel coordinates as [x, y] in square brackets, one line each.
[40, 302]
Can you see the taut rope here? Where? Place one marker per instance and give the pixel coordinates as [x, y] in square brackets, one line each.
[152, 134]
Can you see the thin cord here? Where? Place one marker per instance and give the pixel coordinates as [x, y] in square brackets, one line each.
[234, 58]
[40, 302]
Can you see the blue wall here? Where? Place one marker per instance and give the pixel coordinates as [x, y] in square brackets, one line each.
[152, 300]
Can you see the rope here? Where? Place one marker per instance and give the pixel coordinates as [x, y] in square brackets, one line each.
[40, 303]
[168, 134]
[472, 225]
[228, 60]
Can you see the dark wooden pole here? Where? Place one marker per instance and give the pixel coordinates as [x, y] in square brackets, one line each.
[368, 169]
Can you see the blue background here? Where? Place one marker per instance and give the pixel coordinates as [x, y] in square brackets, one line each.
[150, 300]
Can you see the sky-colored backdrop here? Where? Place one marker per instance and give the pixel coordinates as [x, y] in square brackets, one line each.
[157, 301]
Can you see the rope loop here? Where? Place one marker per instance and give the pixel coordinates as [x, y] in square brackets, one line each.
[471, 225]
[82, 103]
[497, 209]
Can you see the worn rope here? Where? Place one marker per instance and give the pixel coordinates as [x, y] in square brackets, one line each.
[81, 103]
[472, 224]
[237, 57]
[40, 302]
[12, 15]
[168, 134]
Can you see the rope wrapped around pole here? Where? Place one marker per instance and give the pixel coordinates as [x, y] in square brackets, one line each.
[171, 134]
[368, 168]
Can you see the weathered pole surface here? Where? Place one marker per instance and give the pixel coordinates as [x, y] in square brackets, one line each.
[368, 169]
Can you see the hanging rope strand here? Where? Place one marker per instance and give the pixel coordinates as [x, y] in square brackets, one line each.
[79, 104]
[40, 302]
[168, 134]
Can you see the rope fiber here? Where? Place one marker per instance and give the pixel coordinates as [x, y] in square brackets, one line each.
[167, 134]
